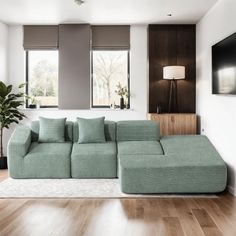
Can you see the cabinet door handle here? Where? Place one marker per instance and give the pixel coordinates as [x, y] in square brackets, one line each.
[172, 119]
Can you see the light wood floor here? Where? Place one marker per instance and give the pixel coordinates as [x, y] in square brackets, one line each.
[115, 217]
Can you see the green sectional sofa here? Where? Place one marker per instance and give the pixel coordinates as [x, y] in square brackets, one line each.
[134, 152]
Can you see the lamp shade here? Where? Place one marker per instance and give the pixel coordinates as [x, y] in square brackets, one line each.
[174, 72]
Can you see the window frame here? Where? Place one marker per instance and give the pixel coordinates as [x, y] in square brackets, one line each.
[128, 75]
[27, 78]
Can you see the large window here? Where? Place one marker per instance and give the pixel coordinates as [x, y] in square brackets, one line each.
[42, 77]
[109, 69]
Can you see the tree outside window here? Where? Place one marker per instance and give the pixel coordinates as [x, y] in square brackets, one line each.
[110, 68]
[43, 77]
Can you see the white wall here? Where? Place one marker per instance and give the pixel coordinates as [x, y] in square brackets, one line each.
[217, 112]
[3, 55]
[3, 51]
[138, 79]
[16, 56]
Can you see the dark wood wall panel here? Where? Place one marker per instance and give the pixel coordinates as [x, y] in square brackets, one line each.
[172, 45]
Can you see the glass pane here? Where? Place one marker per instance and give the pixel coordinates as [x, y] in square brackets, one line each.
[43, 77]
[109, 69]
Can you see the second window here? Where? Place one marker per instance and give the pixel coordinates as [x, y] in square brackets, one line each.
[110, 72]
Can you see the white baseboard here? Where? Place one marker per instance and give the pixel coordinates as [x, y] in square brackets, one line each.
[231, 190]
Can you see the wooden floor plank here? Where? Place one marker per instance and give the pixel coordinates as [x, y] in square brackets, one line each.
[207, 224]
[172, 227]
[118, 217]
[226, 225]
[189, 223]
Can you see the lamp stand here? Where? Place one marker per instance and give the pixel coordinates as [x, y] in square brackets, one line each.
[173, 103]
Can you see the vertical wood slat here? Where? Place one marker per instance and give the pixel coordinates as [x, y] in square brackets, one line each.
[74, 66]
[172, 45]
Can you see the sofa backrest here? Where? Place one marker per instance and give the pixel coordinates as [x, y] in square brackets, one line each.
[110, 131]
[138, 130]
[35, 131]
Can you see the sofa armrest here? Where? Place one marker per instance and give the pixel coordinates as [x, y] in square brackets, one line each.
[19, 142]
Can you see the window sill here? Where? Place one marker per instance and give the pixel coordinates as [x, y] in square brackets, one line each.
[40, 109]
[109, 109]
[91, 109]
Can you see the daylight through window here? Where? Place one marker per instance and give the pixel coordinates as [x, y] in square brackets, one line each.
[42, 78]
[110, 68]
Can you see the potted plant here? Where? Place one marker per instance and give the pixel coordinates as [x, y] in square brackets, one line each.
[121, 91]
[9, 113]
[33, 102]
[127, 95]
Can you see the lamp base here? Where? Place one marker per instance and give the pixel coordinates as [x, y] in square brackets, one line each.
[173, 103]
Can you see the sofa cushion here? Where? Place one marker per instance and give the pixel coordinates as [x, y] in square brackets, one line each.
[194, 148]
[35, 131]
[48, 160]
[109, 129]
[91, 130]
[138, 130]
[97, 160]
[52, 130]
[139, 148]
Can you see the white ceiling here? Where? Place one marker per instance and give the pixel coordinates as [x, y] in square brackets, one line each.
[103, 11]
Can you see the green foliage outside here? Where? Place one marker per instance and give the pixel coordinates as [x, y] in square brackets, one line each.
[43, 82]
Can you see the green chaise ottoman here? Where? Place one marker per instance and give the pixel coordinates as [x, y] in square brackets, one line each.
[188, 164]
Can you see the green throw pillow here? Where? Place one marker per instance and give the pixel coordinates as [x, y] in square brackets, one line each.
[91, 130]
[51, 130]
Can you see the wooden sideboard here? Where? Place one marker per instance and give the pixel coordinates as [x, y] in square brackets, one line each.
[175, 124]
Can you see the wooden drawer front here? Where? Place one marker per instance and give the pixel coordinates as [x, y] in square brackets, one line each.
[175, 124]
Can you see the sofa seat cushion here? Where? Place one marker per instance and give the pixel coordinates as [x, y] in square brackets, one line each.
[48, 160]
[96, 160]
[139, 148]
[195, 149]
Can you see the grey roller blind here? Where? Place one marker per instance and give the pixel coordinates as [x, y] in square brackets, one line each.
[111, 37]
[37, 37]
[74, 66]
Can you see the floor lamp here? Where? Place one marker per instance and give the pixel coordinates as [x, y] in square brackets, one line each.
[173, 73]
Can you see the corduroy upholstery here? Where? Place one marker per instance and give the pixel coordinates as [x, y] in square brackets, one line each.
[35, 131]
[110, 131]
[52, 130]
[146, 162]
[190, 165]
[138, 130]
[94, 160]
[91, 130]
[17, 148]
[27, 159]
[135, 148]
[48, 160]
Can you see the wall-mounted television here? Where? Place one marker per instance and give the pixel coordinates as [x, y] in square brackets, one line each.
[224, 66]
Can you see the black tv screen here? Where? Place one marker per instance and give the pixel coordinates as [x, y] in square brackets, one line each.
[224, 66]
